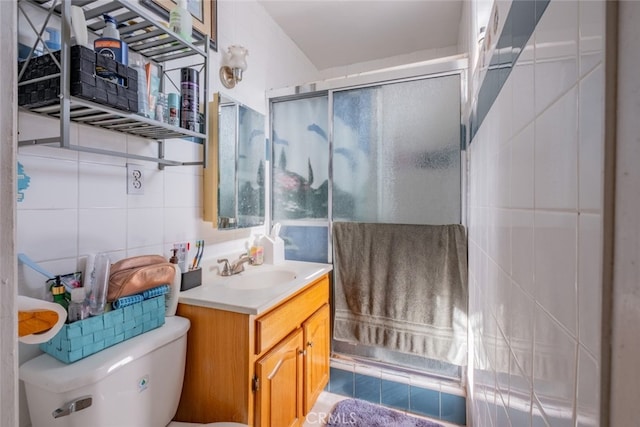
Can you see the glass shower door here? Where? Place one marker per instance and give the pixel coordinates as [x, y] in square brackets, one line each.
[396, 153]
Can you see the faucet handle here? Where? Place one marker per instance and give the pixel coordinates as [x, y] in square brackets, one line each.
[226, 268]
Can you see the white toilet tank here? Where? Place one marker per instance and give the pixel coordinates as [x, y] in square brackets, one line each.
[136, 383]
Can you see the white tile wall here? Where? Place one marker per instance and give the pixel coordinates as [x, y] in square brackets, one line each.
[535, 256]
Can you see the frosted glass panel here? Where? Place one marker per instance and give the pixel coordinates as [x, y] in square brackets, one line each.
[251, 154]
[396, 153]
[227, 162]
[300, 159]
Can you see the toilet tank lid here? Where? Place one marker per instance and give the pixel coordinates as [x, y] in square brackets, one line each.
[52, 375]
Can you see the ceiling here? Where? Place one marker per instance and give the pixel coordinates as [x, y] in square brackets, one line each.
[335, 33]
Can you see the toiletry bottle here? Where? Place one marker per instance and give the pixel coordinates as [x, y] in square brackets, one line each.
[112, 47]
[257, 251]
[78, 308]
[180, 20]
[171, 299]
[58, 292]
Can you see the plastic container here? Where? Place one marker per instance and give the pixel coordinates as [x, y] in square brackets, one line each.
[180, 20]
[98, 292]
[78, 308]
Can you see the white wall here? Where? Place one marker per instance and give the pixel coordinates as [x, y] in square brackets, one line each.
[77, 203]
[535, 230]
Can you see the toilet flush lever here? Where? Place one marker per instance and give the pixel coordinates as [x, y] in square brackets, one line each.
[74, 406]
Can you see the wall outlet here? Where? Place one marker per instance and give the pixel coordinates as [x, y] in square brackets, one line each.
[135, 179]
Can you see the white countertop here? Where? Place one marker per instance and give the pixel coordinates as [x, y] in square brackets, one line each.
[225, 293]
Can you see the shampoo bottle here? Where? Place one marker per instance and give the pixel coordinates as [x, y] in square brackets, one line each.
[180, 20]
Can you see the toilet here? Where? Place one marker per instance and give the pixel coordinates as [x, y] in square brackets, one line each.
[136, 383]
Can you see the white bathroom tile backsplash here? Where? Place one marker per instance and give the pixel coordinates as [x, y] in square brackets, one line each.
[555, 155]
[523, 92]
[522, 177]
[142, 227]
[102, 230]
[555, 254]
[545, 319]
[591, 24]
[101, 186]
[556, 52]
[522, 264]
[52, 184]
[591, 135]
[48, 234]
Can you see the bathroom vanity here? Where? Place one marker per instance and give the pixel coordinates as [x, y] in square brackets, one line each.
[258, 347]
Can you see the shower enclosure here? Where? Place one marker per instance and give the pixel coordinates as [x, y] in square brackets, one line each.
[383, 152]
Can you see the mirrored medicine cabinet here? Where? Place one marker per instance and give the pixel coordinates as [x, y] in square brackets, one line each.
[235, 192]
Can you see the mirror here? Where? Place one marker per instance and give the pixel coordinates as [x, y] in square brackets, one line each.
[239, 150]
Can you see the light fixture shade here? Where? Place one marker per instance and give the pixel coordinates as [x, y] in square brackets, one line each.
[238, 57]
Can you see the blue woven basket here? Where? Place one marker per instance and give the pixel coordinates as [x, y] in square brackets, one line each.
[86, 337]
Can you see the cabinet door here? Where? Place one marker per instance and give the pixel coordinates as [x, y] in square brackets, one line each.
[316, 362]
[279, 387]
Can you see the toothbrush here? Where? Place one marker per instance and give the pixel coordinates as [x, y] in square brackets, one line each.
[200, 252]
[195, 257]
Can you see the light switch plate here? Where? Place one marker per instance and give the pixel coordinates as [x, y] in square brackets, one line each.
[135, 179]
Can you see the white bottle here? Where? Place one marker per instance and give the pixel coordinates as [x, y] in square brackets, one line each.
[171, 299]
[78, 308]
[180, 20]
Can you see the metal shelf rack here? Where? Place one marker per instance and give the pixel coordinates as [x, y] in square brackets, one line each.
[143, 35]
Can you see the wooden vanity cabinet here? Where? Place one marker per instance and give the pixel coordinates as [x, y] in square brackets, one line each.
[264, 370]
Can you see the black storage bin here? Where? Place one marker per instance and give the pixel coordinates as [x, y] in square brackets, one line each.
[84, 82]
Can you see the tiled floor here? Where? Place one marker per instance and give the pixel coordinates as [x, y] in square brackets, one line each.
[321, 410]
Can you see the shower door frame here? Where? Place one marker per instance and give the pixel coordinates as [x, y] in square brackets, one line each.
[427, 70]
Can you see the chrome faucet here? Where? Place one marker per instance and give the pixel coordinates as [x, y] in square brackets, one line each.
[235, 267]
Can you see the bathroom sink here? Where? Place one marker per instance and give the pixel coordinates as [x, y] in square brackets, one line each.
[248, 280]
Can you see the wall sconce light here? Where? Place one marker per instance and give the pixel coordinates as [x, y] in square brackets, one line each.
[231, 73]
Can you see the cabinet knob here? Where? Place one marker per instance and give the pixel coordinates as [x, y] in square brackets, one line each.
[309, 343]
[302, 352]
